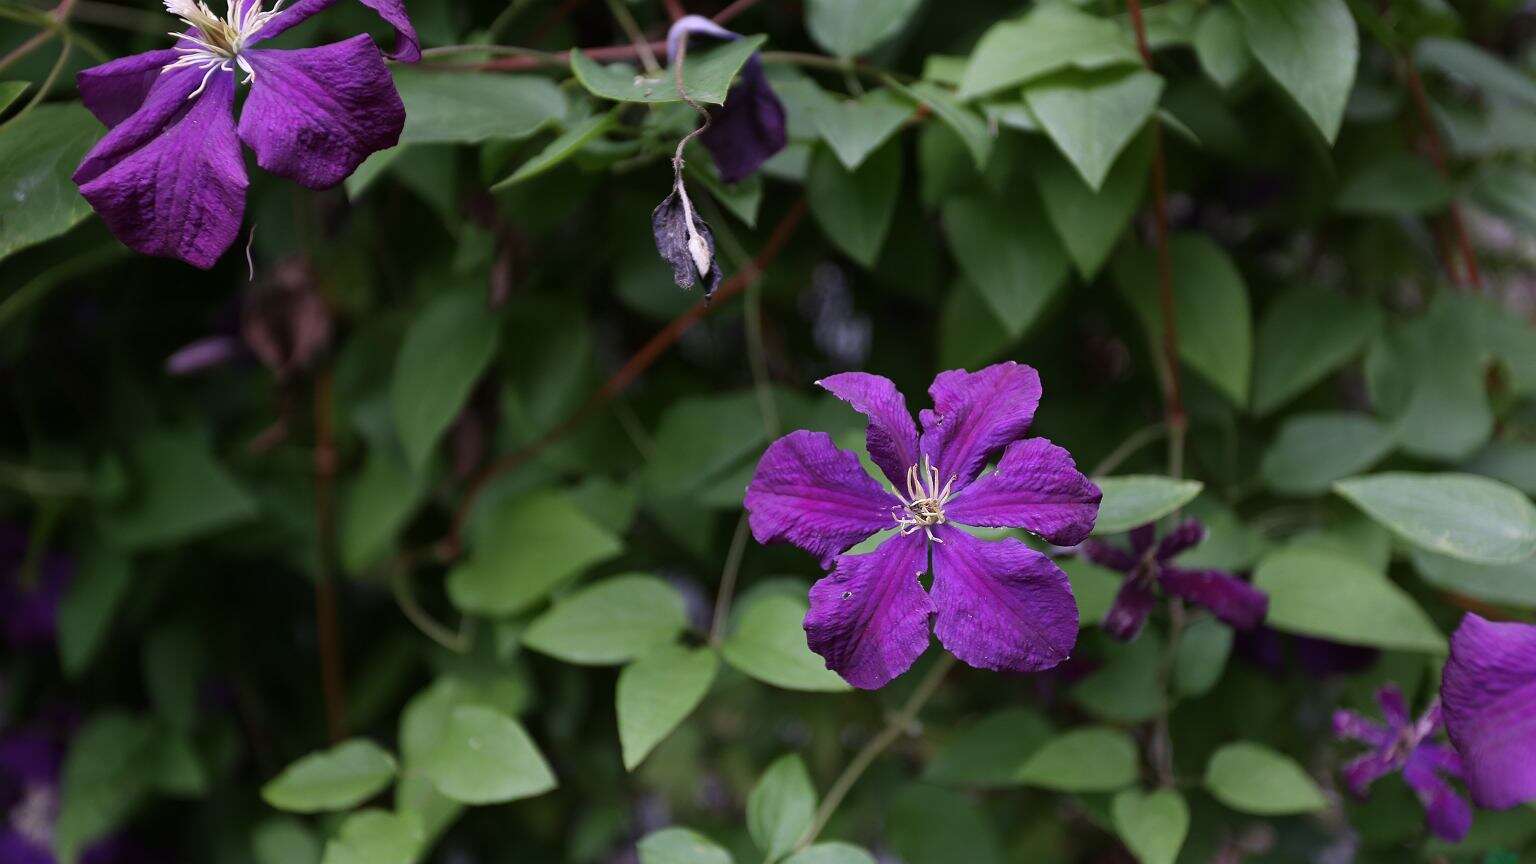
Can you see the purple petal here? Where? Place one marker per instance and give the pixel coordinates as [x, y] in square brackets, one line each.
[1106, 555]
[688, 25]
[1360, 772]
[1448, 815]
[811, 494]
[749, 129]
[1231, 599]
[1187, 535]
[1441, 757]
[314, 115]
[114, 90]
[1036, 487]
[1393, 706]
[170, 180]
[17, 848]
[1351, 726]
[892, 436]
[204, 354]
[1001, 605]
[1488, 693]
[869, 618]
[1141, 538]
[1133, 603]
[975, 414]
[407, 45]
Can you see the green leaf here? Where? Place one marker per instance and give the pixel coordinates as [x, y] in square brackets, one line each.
[681, 846]
[376, 837]
[989, 753]
[656, 693]
[1210, 303]
[931, 825]
[89, 604]
[833, 852]
[344, 776]
[1462, 515]
[1394, 184]
[1312, 451]
[1475, 66]
[182, 493]
[1152, 824]
[1254, 779]
[969, 333]
[470, 107]
[1306, 333]
[1086, 759]
[855, 208]
[523, 549]
[10, 91]
[1136, 499]
[1310, 48]
[1052, 36]
[848, 28]
[485, 757]
[1430, 376]
[38, 154]
[1220, 46]
[175, 657]
[562, 148]
[1201, 656]
[1089, 223]
[1126, 689]
[1093, 587]
[707, 74]
[378, 505]
[284, 840]
[971, 129]
[1092, 116]
[741, 199]
[1504, 584]
[855, 128]
[446, 349]
[1513, 462]
[610, 622]
[781, 806]
[1325, 592]
[702, 439]
[768, 643]
[105, 778]
[1008, 252]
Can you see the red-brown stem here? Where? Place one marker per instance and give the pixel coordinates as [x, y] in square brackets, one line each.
[731, 11]
[328, 628]
[1436, 149]
[633, 368]
[675, 9]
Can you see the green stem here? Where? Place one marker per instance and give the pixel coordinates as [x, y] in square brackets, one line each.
[631, 29]
[1135, 441]
[728, 581]
[47, 85]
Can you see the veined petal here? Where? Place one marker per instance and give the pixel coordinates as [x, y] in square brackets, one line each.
[114, 90]
[1488, 693]
[1036, 487]
[1126, 616]
[1231, 599]
[1448, 815]
[1187, 535]
[891, 436]
[407, 45]
[171, 180]
[811, 494]
[975, 414]
[315, 114]
[1001, 605]
[869, 617]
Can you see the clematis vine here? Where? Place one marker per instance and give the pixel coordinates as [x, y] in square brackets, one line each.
[750, 127]
[169, 177]
[1148, 563]
[1404, 745]
[994, 604]
[1489, 692]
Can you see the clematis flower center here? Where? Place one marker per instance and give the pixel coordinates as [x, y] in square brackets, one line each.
[923, 505]
[215, 44]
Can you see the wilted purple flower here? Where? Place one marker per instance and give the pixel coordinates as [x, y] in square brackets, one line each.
[685, 241]
[30, 595]
[749, 128]
[1146, 564]
[1489, 691]
[1403, 745]
[996, 605]
[169, 178]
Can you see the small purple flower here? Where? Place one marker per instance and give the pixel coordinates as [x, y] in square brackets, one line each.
[996, 605]
[1489, 692]
[749, 128]
[1403, 745]
[30, 592]
[1146, 564]
[169, 177]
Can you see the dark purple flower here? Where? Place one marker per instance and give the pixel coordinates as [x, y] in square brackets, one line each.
[169, 177]
[995, 605]
[1278, 652]
[30, 592]
[1404, 745]
[1489, 691]
[685, 241]
[1147, 564]
[749, 128]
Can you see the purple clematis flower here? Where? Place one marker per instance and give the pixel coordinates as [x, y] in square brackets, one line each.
[1147, 563]
[749, 128]
[996, 605]
[1489, 692]
[169, 177]
[1403, 745]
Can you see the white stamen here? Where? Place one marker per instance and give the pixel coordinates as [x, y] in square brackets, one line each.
[219, 41]
[923, 505]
